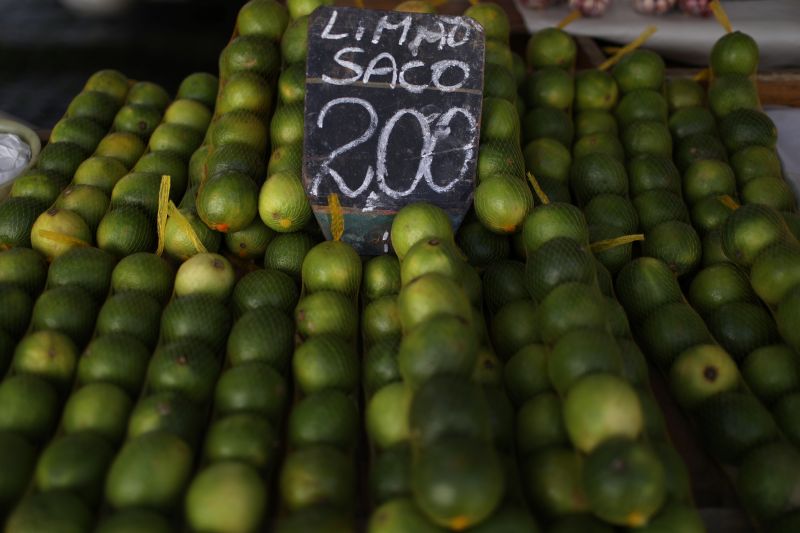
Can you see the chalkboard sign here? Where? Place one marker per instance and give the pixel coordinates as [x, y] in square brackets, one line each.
[392, 116]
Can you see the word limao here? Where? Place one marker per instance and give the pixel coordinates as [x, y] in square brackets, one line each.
[393, 106]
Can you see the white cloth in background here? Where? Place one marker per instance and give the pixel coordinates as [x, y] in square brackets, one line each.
[774, 24]
[14, 155]
[787, 120]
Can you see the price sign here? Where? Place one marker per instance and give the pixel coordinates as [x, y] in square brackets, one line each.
[392, 116]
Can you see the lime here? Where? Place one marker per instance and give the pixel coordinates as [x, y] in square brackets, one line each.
[62, 318]
[641, 104]
[116, 359]
[755, 162]
[317, 474]
[647, 137]
[769, 191]
[292, 84]
[381, 277]
[50, 511]
[326, 312]
[552, 478]
[95, 105]
[29, 407]
[640, 69]
[747, 127]
[130, 483]
[698, 146]
[165, 163]
[252, 388]
[595, 89]
[387, 416]
[286, 252]
[17, 305]
[39, 187]
[81, 131]
[493, 18]
[325, 417]
[684, 92]
[708, 177]
[189, 113]
[144, 272]
[228, 202]
[717, 285]
[248, 338]
[440, 345]
[603, 143]
[559, 260]
[18, 459]
[601, 406]
[548, 123]
[294, 43]
[593, 121]
[123, 146]
[597, 173]
[499, 82]
[57, 231]
[732, 423]
[76, 463]
[249, 53]
[741, 327]
[380, 365]
[169, 412]
[264, 287]
[226, 496]
[676, 243]
[287, 158]
[551, 47]
[183, 366]
[242, 437]
[551, 221]
[579, 353]
[17, 216]
[138, 119]
[751, 229]
[702, 372]
[569, 306]
[282, 203]
[265, 18]
[730, 92]
[457, 482]
[125, 231]
[771, 372]
[548, 159]
[734, 53]
[418, 221]
[648, 172]
[245, 91]
[332, 266]
[624, 482]
[774, 272]
[550, 87]
[499, 120]
[502, 202]
[110, 82]
[690, 121]
[324, 362]
[177, 242]
[767, 479]
[199, 86]
[657, 206]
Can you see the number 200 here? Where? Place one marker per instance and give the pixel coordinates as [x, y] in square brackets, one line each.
[430, 139]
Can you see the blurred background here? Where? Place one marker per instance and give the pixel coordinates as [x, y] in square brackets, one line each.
[48, 48]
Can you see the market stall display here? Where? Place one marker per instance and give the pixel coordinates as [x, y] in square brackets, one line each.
[184, 346]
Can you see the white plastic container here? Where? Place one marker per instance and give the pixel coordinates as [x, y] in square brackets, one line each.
[31, 139]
